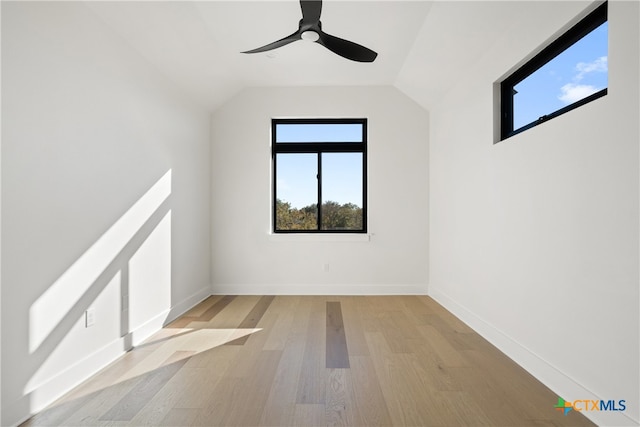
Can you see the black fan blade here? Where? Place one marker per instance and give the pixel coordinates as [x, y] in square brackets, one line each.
[346, 49]
[284, 41]
[311, 10]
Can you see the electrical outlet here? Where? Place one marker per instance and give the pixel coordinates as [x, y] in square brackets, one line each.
[89, 317]
[326, 267]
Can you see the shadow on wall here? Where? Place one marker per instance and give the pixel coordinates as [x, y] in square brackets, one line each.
[125, 277]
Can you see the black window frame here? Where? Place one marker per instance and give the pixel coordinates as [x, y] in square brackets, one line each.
[507, 87]
[319, 148]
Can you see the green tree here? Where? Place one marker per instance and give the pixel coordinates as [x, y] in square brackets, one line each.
[334, 216]
[289, 218]
[341, 217]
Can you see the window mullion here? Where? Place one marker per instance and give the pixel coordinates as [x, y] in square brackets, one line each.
[319, 177]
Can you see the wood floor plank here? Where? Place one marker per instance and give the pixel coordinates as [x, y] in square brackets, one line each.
[162, 402]
[353, 327]
[253, 318]
[284, 308]
[337, 354]
[216, 308]
[181, 322]
[441, 346]
[467, 341]
[195, 386]
[199, 309]
[256, 392]
[92, 410]
[400, 409]
[60, 412]
[141, 394]
[309, 414]
[396, 341]
[430, 370]
[221, 402]
[233, 313]
[338, 406]
[312, 381]
[246, 361]
[369, 403]
[484, 390]
[280, 406]
[217, 359]
[180, 417]
[416, 307]
[248, 395]
[195, 313]
[460, 409]
[368, 312]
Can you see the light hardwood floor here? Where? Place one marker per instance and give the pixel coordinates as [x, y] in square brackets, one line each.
[312, 361]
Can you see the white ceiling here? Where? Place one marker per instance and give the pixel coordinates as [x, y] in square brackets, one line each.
[421, 45]
[198, 44]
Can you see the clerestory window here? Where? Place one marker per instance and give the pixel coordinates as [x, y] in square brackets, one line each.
[568, 73]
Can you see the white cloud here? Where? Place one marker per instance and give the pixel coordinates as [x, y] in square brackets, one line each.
[599, 65]
[572, 92]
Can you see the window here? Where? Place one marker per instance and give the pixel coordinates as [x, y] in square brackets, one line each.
[319, 175]
[568, 73]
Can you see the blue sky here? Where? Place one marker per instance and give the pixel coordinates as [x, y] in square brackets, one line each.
[342, 178]
[575, 74]
[347, 132]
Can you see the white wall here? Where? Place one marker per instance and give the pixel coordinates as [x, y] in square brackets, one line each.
[534, 241]
[105, 194]
[0, 225]
[247, 259]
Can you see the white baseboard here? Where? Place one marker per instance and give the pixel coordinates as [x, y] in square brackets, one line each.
[317, 289]
[552, 377]
[54, 388]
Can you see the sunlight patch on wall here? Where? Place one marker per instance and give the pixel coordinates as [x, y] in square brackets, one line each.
[56, 302]
[150, 276]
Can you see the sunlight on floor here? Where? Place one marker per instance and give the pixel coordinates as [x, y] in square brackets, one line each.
[169, 346]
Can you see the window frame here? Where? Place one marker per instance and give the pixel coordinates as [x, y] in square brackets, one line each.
[318, 148]
[585, 26]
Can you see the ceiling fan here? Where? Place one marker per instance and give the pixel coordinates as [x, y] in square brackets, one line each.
[310, 28]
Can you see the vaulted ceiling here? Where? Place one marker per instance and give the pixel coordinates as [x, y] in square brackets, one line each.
[422, 46]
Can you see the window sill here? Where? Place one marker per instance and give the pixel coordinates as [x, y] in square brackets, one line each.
[318, 237]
